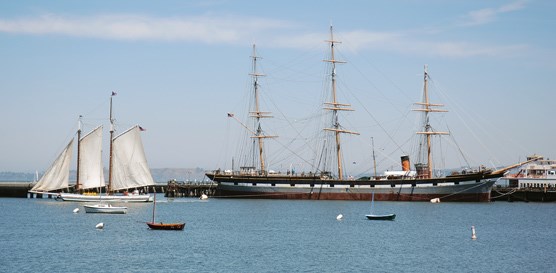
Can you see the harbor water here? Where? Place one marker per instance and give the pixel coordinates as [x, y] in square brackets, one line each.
[234, 235]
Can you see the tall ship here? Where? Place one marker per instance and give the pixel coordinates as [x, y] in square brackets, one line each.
[128, 168]
[417, 184]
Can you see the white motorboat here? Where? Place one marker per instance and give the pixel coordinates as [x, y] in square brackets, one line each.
[105, 208]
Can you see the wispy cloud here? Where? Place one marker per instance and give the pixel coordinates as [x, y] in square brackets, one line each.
[205, 29]
[409, 43]
[464, 49]
[483, 16]
[267, 32]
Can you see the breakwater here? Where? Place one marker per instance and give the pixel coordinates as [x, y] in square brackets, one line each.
[15, 189]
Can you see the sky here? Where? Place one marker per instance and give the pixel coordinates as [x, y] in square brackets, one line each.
[179, 67]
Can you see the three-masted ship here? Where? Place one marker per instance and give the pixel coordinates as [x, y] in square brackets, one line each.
[404, 185]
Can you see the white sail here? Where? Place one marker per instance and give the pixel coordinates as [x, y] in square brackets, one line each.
[57, 176]
[90, 162]
[130, 169]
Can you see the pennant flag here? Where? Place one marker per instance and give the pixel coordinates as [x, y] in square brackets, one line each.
[142, 129]
[114, 93]
[230, 115]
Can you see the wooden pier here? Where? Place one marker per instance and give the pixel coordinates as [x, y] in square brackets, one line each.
[189, 189]
[523, 195]
[172, 188]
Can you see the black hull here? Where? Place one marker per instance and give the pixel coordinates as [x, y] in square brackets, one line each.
[474, 187]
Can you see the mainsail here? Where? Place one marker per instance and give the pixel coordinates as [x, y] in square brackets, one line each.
[130, 169]
[57, 176]
[90, 165]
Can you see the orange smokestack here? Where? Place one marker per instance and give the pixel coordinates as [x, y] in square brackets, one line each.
[405, 163]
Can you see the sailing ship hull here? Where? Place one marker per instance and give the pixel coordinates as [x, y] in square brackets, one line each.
[464, 188]
[72, 197]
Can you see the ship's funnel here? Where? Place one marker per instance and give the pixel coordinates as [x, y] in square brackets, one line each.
[405, 163]
[422, 170]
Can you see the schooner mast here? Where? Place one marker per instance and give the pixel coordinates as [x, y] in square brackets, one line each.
[257, 114]
[111, 158]
[427, 107]
[79, 124]
[335, 106]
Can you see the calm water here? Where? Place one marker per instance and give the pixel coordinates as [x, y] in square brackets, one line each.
[224, 235]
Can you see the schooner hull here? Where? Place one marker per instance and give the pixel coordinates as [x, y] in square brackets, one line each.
[72, 197]
[456, 190]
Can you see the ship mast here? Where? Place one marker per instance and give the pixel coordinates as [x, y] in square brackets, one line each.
[427, 107]
[335, 107]
[111, 146]
[257, 114]
[79, 124]
[374, 158]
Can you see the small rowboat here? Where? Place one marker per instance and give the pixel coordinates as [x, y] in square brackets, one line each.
[372, 216]
[166, 226]
[163, 226]
[381, 217]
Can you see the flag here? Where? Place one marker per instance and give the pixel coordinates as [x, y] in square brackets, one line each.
[114, 93]
[230, 115]
[142, 129]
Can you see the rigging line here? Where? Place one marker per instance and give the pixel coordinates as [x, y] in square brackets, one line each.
[298, 133]
[375, 119]
[300, 58]
[464, 121]
[294, 153]
[378, 123]
[322, 157]
[504, 194]
[464, 190]
[479, 184]
[389, 156]
[442, 164]
[400, 124]
[459, 148]
[433, 83]
[276, 155]
[371, 83]
[73, 134]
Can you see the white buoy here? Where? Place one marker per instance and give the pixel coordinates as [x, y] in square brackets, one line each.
[473, 235]
[435, 200]
[203, 197]
[76, 210]
[339, 217]
[100, 226]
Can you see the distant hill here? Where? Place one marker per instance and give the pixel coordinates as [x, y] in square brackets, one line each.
[180, 174]
[159, 175]
[17, 177]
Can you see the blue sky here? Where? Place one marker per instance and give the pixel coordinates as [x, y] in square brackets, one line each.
[179, 66]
